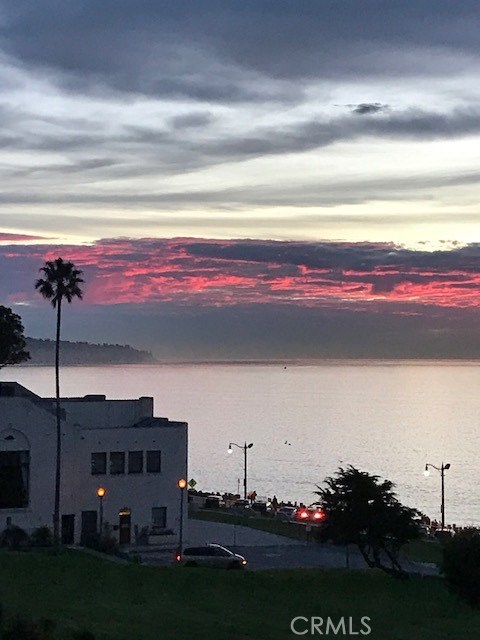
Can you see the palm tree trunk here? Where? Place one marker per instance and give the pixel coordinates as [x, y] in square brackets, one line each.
[56, 509]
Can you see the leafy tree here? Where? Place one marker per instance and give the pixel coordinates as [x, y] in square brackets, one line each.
[363, 510]
[461, 565]
[61, 281]
[12, 340]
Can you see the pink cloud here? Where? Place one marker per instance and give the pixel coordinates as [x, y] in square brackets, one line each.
[19, 237]
[192, 272]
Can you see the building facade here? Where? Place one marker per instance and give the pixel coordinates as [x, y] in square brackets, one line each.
[114, 445]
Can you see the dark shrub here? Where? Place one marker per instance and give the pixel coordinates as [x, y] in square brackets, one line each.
[14, 538]
[83, 635]
[41, 537]
[22, 628]
[461, 565]
[104, 544]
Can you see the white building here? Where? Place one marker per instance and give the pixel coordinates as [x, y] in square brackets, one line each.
[114, 444]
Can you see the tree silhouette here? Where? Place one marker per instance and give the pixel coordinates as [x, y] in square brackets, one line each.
[363, 510]
[12, 340]
[60, 281]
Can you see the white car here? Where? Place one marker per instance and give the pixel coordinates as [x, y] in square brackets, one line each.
[211, 555]
[286, 514]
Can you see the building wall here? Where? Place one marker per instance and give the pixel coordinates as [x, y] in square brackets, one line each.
[107, 414]
[34, 427]
[94, 426]
[137, 492]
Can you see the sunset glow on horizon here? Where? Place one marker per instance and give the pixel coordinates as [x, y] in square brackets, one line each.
[197, 272]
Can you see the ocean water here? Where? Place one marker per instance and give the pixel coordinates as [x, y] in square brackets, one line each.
[307, 420]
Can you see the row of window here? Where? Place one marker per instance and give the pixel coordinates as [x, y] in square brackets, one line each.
[130, 462]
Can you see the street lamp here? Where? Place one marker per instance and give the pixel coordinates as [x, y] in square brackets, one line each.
[101, 491]
[441, 470]
[245, 448]
[182, 485]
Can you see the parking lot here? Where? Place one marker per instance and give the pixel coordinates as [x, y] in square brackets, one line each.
[269, 551]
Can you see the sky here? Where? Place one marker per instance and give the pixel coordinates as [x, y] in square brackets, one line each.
[246, 178]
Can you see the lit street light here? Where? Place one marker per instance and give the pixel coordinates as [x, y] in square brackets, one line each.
[182, 485]
[245, 448]
[441, 470]
[101, 491]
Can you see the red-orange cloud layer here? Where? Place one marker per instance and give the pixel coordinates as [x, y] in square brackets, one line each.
[192, 272]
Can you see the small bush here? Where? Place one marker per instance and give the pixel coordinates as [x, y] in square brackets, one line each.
[22, 628]
[104, 544]
[135, 558]
[41, 537]
[14, 538]
[83, 635]
[461, 565]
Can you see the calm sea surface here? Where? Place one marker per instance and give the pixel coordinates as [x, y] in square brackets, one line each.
[307, 420]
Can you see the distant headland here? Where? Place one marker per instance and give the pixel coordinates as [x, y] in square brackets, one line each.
[42, 352]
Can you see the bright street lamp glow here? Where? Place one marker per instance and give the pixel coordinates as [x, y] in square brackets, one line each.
[229, 450]
[101, 492]
[182, 483]
[426, 473]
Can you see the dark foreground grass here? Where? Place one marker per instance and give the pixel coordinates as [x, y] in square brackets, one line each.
[132, 602]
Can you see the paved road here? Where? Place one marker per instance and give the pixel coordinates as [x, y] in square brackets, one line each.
[269, 551]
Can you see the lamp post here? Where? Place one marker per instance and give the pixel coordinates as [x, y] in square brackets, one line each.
[181, 484]
[245, 448]
[101, 491]
[441, 470]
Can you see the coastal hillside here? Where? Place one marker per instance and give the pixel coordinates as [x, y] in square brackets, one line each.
[42, 352]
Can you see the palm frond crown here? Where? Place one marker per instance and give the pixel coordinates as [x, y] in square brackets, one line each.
[60, 280]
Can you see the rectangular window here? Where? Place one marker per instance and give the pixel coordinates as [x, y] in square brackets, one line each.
[135, 461]
[14, 479]
[117, 462]
[154, 461]
[99, 463]
[159, 517]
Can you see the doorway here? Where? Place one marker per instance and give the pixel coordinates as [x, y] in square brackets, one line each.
[89, 525]
[68, 528]
[125, 526]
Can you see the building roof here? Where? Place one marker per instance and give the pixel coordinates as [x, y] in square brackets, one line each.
[15, 390]
[157, 422]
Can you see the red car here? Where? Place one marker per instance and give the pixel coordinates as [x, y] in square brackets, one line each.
[312, 515]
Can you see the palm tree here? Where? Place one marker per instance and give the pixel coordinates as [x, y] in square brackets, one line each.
[61, 280]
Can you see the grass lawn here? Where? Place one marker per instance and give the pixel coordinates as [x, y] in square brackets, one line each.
[271, 525]
[132, 602]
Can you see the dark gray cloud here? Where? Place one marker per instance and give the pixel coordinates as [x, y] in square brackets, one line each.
[367, 108]
[199, 119]
[135, 45]
[342, 256]
[412, 123]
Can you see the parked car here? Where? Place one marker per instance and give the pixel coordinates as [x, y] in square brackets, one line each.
[262, 506]
[310, 515]
[214, 502]
[285, 514]
[241, 505]
[211, 555]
